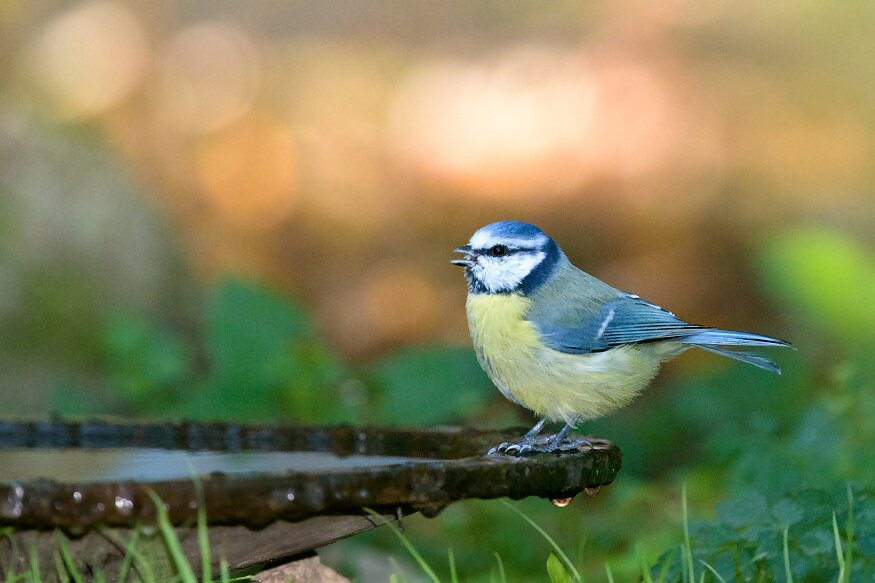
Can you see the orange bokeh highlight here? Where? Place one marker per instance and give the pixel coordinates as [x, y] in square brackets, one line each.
[393, 304]
[536, 119]
[248, 172]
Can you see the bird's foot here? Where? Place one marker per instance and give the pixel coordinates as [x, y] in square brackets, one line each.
[516, 448]
[546, 444]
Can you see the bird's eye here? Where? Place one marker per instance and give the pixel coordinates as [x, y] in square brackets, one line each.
[498, 251]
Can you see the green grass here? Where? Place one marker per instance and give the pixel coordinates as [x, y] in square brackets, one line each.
[64, 568]
[426, 568]
[559, 567]
[574, 574]
[685, 568]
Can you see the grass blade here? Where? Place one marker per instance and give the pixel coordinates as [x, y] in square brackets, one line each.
[501, 574]
[840, 556]
[645, 572]
[849, 535]
[203, 538]
[125, 567]
[171, 541]
[60, 569]
[714, 572]
[609, 573]
[407, 544]
[224, 572]
[67, 559]
[131, 550]
[556, 570]
[454, 576]
[34, 564]
[556, 548]
[787, 573]
[688, 549]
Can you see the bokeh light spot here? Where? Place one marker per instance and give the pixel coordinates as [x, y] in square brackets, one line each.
[209, 77]
[535, 119]
[90, 58]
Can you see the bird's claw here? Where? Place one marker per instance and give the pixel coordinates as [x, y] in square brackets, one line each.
[523, 447]
[515, 448]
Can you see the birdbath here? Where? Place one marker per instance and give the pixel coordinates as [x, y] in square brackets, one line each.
[272, 494]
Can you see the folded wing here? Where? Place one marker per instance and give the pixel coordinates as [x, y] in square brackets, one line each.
[627, 319]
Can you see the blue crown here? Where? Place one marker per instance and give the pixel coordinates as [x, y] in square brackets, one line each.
[517, 229]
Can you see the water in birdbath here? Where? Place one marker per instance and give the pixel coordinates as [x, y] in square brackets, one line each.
[80, 475]
[152, 464]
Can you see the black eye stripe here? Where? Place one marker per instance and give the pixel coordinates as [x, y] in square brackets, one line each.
[510, 250]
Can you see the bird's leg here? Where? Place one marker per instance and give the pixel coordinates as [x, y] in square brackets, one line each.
[523, 444]
[531, 442]
[560, 442]
[532, 433]
[557, 439]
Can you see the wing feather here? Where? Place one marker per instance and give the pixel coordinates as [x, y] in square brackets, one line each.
[578, 314]
[626, 320]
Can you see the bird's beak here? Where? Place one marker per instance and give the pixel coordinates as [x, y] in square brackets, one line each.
[468, 261]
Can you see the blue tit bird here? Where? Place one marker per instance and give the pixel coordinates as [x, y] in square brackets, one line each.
[563, 343]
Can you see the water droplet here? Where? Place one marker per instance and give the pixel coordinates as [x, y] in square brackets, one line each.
[76, 530]
[77, 496]
[361, 444]
[431, 510]
[100, 507]
[561, 502]
[592, 492]
[124, 505]
[13, 505]
[279, 499]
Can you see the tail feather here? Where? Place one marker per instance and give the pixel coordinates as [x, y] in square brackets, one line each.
[713, 340]
[717, 337]
[748, 357]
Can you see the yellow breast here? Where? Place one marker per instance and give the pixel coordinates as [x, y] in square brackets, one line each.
[553, 384]
[499, 328]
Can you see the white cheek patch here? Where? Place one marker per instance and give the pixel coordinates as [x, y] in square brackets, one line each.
[501, 274]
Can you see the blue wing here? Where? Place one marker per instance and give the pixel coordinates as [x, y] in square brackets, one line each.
[627, 319]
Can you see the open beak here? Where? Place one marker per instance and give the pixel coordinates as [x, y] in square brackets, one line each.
[468, 261]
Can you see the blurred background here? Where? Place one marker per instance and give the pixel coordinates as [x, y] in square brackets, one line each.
[228, 210]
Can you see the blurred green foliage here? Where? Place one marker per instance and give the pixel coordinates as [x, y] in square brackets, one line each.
[429, 385]
[262, 360]
[795, 479]
[824, 278]
[744, 542]
[790, 465]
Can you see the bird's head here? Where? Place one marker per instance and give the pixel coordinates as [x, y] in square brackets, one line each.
[508, 257]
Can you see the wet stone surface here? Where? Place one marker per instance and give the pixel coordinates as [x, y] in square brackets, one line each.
[76, 476]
